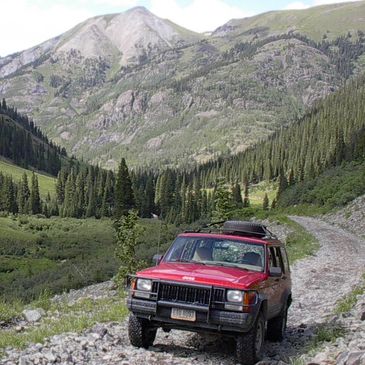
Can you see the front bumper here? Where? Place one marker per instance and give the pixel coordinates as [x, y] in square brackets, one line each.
[207, 319]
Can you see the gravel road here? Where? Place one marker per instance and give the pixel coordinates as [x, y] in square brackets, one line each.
[318, 282]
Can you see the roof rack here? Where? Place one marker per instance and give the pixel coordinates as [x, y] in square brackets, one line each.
[238, 228]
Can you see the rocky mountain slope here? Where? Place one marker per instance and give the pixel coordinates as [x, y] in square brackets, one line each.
[135, 85]
[351, 217]
[329, 21]
[318, 333]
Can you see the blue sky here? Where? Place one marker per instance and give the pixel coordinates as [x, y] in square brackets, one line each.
[26, 23]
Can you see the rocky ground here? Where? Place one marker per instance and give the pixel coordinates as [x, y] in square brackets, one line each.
[351, 218]
[318, 282]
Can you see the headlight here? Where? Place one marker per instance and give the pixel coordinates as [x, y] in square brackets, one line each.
[235, 296]
[144, 284]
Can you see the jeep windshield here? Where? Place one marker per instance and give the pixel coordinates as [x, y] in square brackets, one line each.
[217, 252]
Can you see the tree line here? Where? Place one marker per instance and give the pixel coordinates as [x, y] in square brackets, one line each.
[332, 132]
[22, 197]
[25, 144]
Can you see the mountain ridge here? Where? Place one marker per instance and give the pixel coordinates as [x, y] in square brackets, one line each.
[168, 105]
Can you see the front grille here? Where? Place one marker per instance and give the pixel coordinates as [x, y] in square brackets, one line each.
[218, 295]
[184, 294]
[188, 294]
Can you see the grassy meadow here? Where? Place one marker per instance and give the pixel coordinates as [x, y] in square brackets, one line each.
[46, 183]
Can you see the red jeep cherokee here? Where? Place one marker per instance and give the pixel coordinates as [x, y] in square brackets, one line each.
[235, 282]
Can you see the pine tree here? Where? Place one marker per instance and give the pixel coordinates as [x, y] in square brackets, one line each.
[35, 200]
[283, 184]
[107, 201]
[124, 196]
[91, 206]
[237, 195]
[9, 196]
[70, 201]
[222, 202]
[265, 203]
[128, 232]
[246, 199]
[23, 195]
[166, 193]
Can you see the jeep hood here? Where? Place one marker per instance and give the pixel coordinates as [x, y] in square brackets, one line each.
[193, 273]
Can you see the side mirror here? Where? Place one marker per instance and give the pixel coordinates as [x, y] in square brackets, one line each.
[157, 258]
[275, 272]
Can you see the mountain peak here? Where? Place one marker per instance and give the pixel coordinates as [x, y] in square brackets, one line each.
[139, 9]
[133, 34]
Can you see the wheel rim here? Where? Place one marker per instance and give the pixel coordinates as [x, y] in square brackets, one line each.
[259, 337]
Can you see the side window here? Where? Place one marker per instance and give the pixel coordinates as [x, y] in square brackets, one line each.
[272, 257]
[285, 259]
[275, 258]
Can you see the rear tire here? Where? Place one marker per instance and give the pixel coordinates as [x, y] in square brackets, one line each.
[249, 347]
[140, 333]
[276, 327]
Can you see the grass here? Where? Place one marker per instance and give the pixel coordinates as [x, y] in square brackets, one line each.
[299, 243]
[327, 333]
[9, 310]
[257, 193]
[56, 254]
[46, 183]
[334, 188]
[63, 317]
[345, 304]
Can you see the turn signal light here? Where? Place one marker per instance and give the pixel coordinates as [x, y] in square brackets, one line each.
[249, 299]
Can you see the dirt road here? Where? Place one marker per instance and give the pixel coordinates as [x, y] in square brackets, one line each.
[318, 282]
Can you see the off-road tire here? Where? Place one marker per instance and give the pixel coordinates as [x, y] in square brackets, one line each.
[140, 333]
[249, 347]
[276, 327]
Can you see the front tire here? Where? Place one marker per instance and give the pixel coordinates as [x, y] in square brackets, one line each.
[276, 327]
[140, 333]
[249, 347]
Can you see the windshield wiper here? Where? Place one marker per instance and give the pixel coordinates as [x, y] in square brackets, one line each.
[191, 261]
[229, 265]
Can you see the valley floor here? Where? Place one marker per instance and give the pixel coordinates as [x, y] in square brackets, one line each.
[319, 282]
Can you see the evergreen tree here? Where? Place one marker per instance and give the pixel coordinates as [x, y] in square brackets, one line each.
[91, 206]
[128, 232]
[166, 193]
[222, 202]
[23, 195]
[35, 200]
[70, 201]
[124, 196]
[246, 199]
[237, 195]
[283, 184]
[265, 203]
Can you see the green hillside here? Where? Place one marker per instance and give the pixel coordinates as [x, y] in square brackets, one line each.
[46, 183]
[332, 20]
[57, 254]
[169, 107]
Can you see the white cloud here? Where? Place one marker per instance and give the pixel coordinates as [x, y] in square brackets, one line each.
[296, 5]
[199, 15]
[24, 25]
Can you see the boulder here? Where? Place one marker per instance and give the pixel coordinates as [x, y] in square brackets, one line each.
[33, 315]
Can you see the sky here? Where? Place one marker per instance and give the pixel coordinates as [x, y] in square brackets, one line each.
[26, 23]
